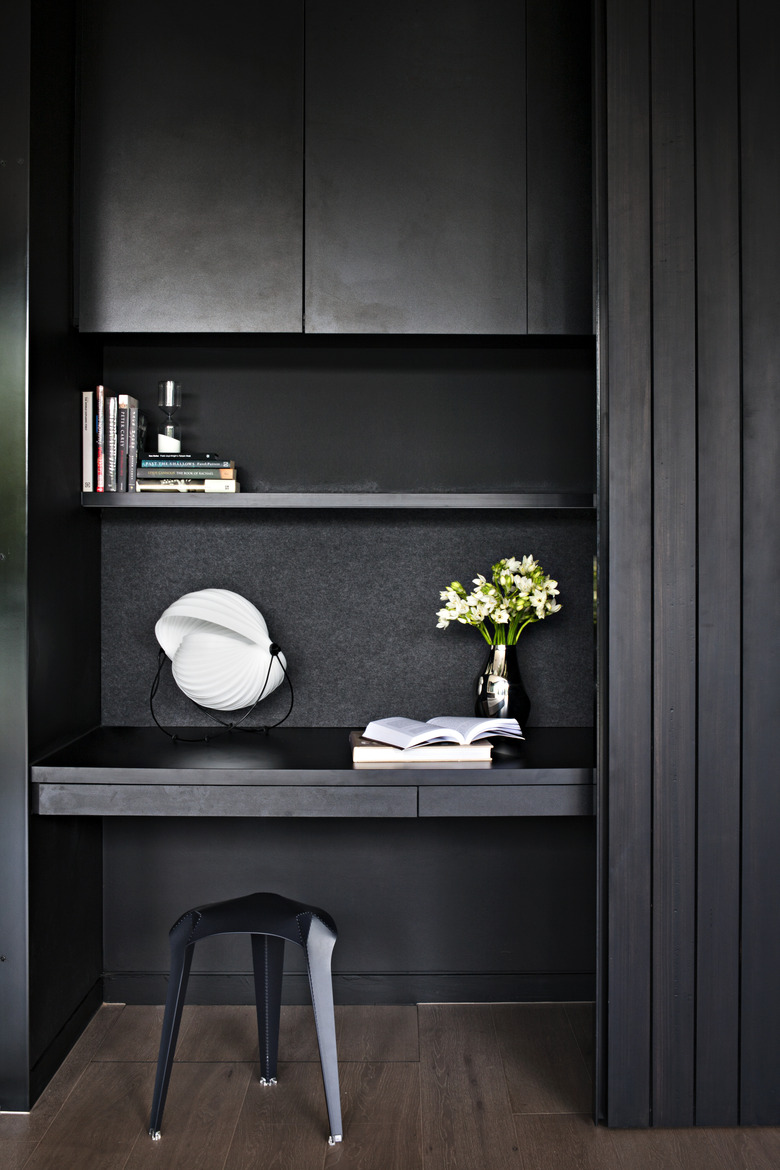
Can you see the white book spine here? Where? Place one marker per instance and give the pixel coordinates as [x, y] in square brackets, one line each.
[88, 440]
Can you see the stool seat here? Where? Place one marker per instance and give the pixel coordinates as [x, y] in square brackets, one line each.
[271, 920]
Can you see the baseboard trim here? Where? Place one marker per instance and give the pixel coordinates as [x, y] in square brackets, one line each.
[135, 987]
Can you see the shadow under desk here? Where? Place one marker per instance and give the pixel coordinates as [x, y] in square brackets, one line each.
[307, 772]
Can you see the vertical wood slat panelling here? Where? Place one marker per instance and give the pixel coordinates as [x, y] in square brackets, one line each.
[760, 90]
[719, 584]
[674, 555]
[629, 647]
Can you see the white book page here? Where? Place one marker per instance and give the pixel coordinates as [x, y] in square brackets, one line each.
[403, 732]
[470, 728]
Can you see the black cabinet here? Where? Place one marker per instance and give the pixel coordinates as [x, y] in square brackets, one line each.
[190, 183]
[415, 167]
[357, 170]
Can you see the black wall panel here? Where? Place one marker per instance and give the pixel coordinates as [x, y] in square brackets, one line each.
[14, 223]
[690, 397]
[450, 909]
[374, 417]
[627, 334]
[719, 563]
[760, 1082]
[674, 559]
[63, 631]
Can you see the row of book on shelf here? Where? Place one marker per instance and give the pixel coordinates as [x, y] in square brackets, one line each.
[115, 459]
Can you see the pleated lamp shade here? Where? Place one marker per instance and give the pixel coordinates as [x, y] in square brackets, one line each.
[219, 647]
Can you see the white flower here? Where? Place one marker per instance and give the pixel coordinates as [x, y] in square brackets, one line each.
[518, 594]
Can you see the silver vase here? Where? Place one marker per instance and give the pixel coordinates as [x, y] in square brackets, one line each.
[500, 693]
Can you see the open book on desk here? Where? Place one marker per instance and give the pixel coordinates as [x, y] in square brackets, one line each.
[443, 738]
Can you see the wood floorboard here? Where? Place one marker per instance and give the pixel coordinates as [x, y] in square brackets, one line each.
[274, 1147]
[564, 1141]
[100, 1121]
[201, 1113]
[226, 1033]
[297, 1033]
[14, 1154]
[465, 1104]
[747, 1149]
[668, 1149]
[135, 1035]
[283, 1125]
[387, 1093]
[32, 1126]
[582, 1017]
[379, 1147]
[433, 1098]
[544, 1067]
[381, 1032]
[381, 1107]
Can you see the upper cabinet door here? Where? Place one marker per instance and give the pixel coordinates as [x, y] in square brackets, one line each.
[191, 166]
[558, 144]
[415, 167]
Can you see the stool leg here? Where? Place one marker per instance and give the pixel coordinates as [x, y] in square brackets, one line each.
[181, 960]
[268, 960]
[319, 948]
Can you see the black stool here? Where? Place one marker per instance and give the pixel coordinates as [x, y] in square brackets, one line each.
[270, 919]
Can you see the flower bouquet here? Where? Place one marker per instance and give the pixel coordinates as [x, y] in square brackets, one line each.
[519, 594]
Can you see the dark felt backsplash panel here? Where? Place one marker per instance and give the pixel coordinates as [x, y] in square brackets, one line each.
[351, 598]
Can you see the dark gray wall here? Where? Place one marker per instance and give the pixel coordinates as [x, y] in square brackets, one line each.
[379, 415]
[481, 909]
[690, 254]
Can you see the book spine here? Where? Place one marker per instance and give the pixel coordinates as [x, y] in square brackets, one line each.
[87, 440]
[172, 463]
[121, 448]
[187, 485]
[100, 439]
[110, 444]
[186, 473]
[132, 447]
[183, 456]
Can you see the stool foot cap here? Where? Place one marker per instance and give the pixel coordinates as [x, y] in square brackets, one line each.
[332, 1140]
[267, 1080]
[155, 1135]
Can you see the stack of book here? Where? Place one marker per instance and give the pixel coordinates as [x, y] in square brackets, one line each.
[109, 434]
[402, 741]
[186, 473]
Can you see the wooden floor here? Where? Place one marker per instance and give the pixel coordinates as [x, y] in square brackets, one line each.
[472, 1087]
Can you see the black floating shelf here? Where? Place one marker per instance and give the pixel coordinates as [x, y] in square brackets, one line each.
[448, 500]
